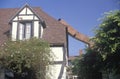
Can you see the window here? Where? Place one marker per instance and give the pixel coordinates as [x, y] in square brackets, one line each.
[26, 24]
[24, 30]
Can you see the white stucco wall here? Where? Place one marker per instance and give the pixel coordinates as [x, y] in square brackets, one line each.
[36, 18]
[29, 11]
[23, 11]
[58, 52]
[15, 19]
[26, 9]
[57, 70]
[26, 17]
[14, 31]
[36, 29]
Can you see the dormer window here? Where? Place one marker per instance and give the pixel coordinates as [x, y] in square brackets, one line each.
[26, 24]
[24, 30]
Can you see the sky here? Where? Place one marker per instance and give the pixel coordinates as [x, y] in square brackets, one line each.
[82, 15]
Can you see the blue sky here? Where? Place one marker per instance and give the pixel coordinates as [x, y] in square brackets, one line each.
[82, 15]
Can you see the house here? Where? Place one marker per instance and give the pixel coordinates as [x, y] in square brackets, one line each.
[26, 22]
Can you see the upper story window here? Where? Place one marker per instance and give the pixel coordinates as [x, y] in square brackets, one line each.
[25, 30]
[26, 24]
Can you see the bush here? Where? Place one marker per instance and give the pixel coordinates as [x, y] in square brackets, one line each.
[28, 59]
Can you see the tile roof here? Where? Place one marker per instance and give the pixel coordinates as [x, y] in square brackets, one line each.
[54, 33]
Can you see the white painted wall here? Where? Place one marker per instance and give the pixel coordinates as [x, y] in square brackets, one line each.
[29, 11]
[30, 17]
[36, 18]
[58, 53]
[26, 9]
[15, 19]
[23, 11]
[14, 31]
[36, 29]
[26, 17]
[55, 70]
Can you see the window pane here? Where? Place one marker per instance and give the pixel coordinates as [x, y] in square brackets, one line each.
[28, 30]
[21, 31]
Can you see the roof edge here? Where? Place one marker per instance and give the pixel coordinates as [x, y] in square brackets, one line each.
[26, 5]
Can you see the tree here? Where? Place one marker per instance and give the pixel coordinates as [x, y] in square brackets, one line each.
[107, 41]
[75, 68]
[28, 59]
[90, 65]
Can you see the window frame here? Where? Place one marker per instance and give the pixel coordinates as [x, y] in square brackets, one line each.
[24, 29]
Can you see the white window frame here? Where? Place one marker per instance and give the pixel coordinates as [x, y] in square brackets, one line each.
[23, 33]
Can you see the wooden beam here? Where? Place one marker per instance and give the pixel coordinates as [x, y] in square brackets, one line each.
[75, 34]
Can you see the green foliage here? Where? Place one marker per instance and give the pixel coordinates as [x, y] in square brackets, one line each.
[90, 65]
[105, 54]
[107, 41]
[108, 34]
[28, 59]
[75, 68]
